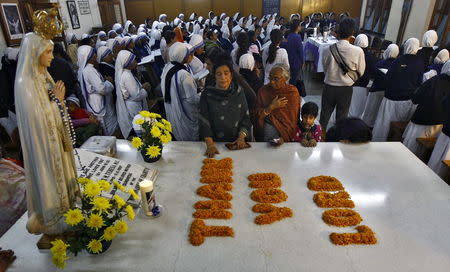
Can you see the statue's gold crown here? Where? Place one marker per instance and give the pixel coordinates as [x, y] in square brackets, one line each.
[46, 23]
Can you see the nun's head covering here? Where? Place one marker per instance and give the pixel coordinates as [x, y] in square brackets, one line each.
[110, 33]
[101, 34]
[214, 20]
[411, 46]
[102, 52]
[362, 41]
[176, 22]
[156, 35]
[247, 61]
[391, 51]
[162, 16]
[84, 36]
[85, 53]
[441, 57]
[197, 28]
[141, 30]
[72, 98]
[69, 37]
[223, 15]
[446, 68]
[207, 22]
[200, 19]
[249, 22]
[178, 52]
[429, 38]
[117, 27]
[181, 16]
[193, 15]
[209, 14]
[120, 40]
[155, 25]
[196, 41]
[128, 23]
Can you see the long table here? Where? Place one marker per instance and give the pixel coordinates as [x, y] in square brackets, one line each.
[313, 49]
[398, 196]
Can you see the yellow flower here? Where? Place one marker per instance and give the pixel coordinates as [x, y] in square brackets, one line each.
[153, 151]
[95, 221]
[59, 247]
[101, 204]
[154, 115]
[73, 217]
[155, 131]
[83, 181]
[139, 121]
[119, 186]
[59, 260]
[121, 226]
[133, 194]
[160, 125]
[104, 185]
[136, 142]
[110, 233]
[92, 189]
[130, 212]
[145, 114]
[167, 124]
[165, 138]
[119, 201]
[95, 246]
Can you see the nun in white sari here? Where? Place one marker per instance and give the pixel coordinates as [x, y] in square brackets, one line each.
[181, 100]
[96, 90]
[359, 95]
[47, 147]
[131, 96]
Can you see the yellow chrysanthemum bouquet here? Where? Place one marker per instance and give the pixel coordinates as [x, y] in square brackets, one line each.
[96, 223]
[154, 133]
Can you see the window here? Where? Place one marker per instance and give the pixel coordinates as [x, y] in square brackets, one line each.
[377, 15]
[440, 21]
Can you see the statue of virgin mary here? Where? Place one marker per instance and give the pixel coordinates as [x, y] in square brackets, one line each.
[45, 132]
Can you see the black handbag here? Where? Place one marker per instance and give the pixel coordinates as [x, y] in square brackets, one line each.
[301, 87]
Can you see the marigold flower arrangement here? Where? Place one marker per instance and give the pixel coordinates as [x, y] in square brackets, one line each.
[96, 223]
[155, 132]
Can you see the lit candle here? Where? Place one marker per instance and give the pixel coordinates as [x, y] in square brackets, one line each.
[148, 196]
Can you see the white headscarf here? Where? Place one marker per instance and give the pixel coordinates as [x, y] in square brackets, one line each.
[209, 14]
[236, 16]
[411, 46]
[241, 22]
[102, 52]
[69, 37]
[362, 41]
[224, 28]
[124, 58]
[85, 53]
[446, 68]
[391, 51]
[116, 27]
[141, 30]
[214, 20]
[247, 61]
[181, 16]
[119, 40]
[99, 41]
[196, 41]
[429, 38]
[162, 16]
[441, 57]
[249, 22]
[111, 32]
[155, 25]
[192, 17]
[176, 22]
[178, 52]
[127, 27]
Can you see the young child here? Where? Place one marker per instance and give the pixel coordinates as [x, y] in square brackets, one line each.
[308, 133]
[84, 123]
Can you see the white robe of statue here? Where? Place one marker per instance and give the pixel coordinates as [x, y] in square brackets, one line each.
[47, 150]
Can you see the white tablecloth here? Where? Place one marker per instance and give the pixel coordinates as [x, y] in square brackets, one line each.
[320, 45]
[398, 196]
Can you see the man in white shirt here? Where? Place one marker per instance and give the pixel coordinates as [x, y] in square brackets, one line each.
[337, 91]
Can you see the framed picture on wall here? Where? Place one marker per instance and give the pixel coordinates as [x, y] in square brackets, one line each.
[12, 22]
[73, 14]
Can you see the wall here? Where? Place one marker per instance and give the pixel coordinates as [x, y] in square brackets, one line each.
[86, 21]
[418, 21]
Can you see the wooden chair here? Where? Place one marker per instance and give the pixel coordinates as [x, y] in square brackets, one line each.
[428, 145]
[396, 131]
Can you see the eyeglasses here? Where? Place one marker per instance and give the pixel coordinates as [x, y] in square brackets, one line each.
[274, 78]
